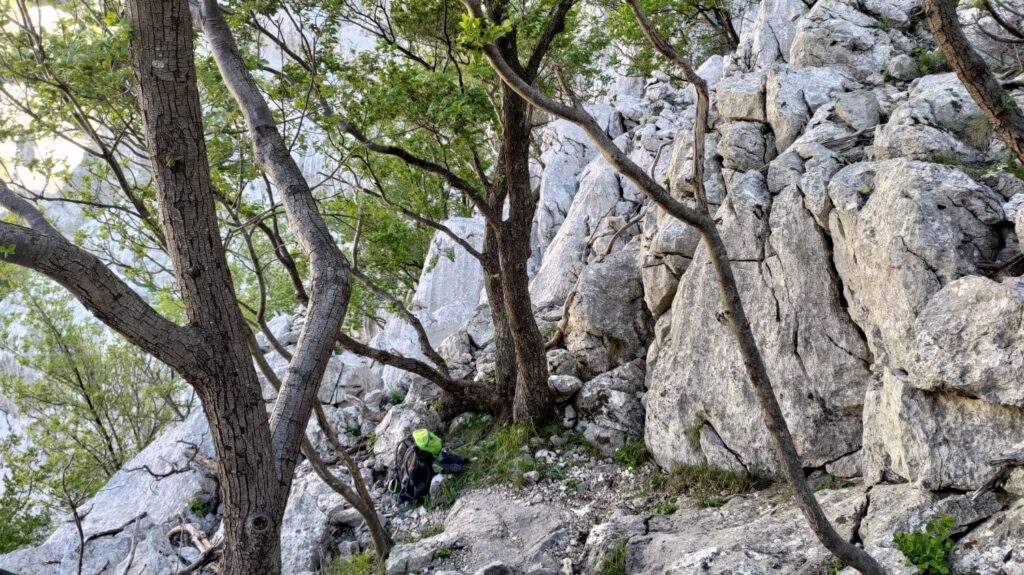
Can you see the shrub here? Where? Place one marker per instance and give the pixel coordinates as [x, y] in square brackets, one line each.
[928, 550]
[631, 455]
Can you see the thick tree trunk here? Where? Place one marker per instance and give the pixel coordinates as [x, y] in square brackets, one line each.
[168, 99]
[533, 398]
[1000, 109]
[504, 349]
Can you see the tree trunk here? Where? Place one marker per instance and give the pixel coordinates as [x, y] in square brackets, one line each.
[533, 398]
[165, 87]
[504, 349]
[1000, 109]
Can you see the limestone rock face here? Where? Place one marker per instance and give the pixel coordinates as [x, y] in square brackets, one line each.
[610, 409]
[970, 340]
[995, 546]
[608, 321]
[902, 230]
[936, 440]
[447, 295]
[753, 535]
[132, 492]
[816, 357]
[600, 195]
[938, 121]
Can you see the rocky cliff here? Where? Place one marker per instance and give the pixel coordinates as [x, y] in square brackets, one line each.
[876, 246]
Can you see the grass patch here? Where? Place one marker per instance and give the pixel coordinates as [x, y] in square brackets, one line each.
[631, 455]
[835, 568]
[614, 563]
[424, 533]
[443, 553]
[831, 482]
[494, 453]
[709, 486]
[362, 563]
[665, 507]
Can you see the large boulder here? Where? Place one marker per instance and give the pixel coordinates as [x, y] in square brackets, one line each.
[934, 439]
[970, 340]
[700, 405]
[608, 322]
[902, 230]
[905, 508]
[938, 121]
[794, 94]
[754, 535]
[309, 523]
[840, 34]
[486, 528]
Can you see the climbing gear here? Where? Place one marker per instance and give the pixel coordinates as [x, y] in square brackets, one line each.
[427, 441]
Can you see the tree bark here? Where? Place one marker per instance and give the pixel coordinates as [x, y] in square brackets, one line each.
[533, 398]
[996, 103]
[504, 349]
[165, 86]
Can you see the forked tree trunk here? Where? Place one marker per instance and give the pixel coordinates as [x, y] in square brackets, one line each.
[533, 398]
[165, 88]
[999, 108]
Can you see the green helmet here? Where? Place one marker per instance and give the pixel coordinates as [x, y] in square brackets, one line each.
[427, 441]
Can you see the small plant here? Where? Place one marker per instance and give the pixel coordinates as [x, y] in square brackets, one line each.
[928, 550]
[835, 568]
[693, 433]
[614, 563]
[198, 507]
[831, 482]
[396, 397]
[362, 563]
[665, 507]
[443, 553]
[929, 61]
[572, 484]
[631, 455]
[371, 439]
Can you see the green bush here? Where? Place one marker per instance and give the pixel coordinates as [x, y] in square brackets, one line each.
[928, 550]
[631, 455]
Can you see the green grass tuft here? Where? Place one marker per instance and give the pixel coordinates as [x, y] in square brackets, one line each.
[631, 455]
[614, 563]
[709, 486]
[362, 563]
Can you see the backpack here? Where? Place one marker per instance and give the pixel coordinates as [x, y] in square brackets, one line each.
[414, 469]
